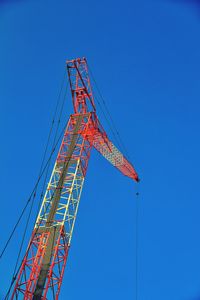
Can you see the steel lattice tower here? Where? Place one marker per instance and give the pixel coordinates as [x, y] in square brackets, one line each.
[41, 273]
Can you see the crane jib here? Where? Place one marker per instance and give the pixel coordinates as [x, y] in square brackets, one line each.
[41, 273]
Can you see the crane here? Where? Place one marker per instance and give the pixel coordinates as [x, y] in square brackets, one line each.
[41, 273]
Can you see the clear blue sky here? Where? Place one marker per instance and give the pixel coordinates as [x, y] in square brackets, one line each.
[145, 56]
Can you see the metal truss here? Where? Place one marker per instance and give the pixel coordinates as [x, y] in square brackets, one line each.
[48, 248]
[41, 273]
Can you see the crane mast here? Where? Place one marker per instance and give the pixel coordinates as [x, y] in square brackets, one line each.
[41, 273]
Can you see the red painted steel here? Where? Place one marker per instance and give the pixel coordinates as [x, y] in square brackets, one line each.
[28, 275]
[31, 267]
[90, 134]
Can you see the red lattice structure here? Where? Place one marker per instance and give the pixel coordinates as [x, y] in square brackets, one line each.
[41, 273]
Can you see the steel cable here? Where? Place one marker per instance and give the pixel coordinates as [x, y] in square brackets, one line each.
[41, 173]
[109, 119]
[15, 275]
[53, 150]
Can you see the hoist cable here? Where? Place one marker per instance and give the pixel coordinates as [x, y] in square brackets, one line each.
[111, 129]
[53, 145]
[43, 160]
[38, 225]
[41, 172]
[15, 275]
[24, 234]
[137, 202]
[120, 142]
[14, 228]
[110, 121]
[47, 167]
[53, 120]
[40, 175]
